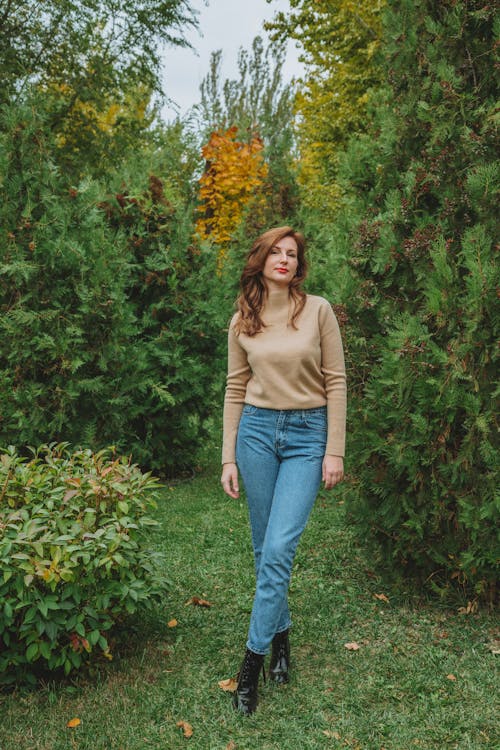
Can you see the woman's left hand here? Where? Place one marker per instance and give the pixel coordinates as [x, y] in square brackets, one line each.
[333, 471]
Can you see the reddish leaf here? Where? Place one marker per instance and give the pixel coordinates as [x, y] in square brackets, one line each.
[198, 602]
[229, 685]
[186, 728]
[69, 494]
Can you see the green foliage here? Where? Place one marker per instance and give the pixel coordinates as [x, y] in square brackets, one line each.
[64, 318]
[171, 381]
[422, 298]
[339, 41]
[73, 555]
[89, 46]
[97, 66]
[110, 317]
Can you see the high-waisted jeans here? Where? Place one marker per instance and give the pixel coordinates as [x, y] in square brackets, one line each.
[279, 454]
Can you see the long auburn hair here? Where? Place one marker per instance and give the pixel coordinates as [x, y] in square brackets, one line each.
[253, 291]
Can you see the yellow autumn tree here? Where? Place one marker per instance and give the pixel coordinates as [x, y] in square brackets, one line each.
[233, 176]
[339, 40]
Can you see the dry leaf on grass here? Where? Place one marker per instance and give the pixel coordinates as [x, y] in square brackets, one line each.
[172, 623]
[198, 602]
[451, 677]
[381, 597]
[494, 646]
[334, 735]
[73, 723]
[353, 646]
[470, 609]
[229, 685]
[231, 745]
[186, 728]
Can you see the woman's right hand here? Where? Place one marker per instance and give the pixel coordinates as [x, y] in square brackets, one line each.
[229, 480]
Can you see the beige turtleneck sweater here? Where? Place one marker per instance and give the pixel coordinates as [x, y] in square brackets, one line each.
[282, 367]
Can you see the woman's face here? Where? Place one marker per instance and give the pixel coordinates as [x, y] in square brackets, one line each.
[281, 263]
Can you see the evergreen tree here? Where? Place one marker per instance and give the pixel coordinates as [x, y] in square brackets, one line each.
[108, 316]
[64, 318]
[422, 296]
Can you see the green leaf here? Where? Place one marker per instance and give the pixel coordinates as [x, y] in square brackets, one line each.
[32, 652]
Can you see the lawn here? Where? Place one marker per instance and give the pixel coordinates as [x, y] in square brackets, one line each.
[418, 675]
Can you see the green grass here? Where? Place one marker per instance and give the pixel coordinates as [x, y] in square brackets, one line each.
[393, 693]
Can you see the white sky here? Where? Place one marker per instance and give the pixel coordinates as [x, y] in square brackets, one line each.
[226, 25]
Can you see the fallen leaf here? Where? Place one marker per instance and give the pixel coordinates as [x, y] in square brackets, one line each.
[381, 597]
[73, 723]
[186, 728]
[334, 735]
[231, 745]
[470, 609]
[441, 634]
[172, 623]
[229, 685]
[451, 677]
[494, 647]
[198, 602]
[352, 646]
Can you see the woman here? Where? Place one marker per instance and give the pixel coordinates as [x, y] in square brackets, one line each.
[284, 428]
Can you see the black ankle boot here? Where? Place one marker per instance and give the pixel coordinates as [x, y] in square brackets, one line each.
[279, 665]
[246, 696]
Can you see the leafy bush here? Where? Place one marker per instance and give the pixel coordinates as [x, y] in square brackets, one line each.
[72, 555]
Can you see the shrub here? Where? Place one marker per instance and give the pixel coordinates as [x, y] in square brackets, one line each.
[109, 317]
[72, 555]
[421, 300]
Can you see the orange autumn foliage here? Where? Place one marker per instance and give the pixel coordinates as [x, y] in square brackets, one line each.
[234, 172]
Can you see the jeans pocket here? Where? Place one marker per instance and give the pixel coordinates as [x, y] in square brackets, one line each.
[316, 420]
[249, 409]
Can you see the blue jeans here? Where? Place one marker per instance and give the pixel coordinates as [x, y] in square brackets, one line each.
[280, 456]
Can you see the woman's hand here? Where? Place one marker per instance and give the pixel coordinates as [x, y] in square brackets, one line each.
[229, 480]
[333, 471]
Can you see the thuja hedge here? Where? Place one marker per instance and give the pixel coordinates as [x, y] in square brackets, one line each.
[422, 300]
[74, 556]
[110, 319]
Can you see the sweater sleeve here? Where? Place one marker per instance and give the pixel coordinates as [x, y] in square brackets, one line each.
[238, 375]
[333, 369]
